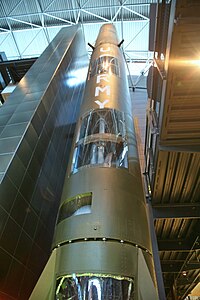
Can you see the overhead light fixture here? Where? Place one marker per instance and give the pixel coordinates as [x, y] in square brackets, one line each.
[184, 273]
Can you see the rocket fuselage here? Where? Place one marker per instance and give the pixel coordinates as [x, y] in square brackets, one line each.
[102, 236]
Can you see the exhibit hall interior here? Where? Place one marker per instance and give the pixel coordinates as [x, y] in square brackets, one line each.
[99, 150]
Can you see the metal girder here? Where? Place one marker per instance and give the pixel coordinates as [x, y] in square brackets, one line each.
[15, 69]
[20, 1]
[41, 13]
[16, 62]
[170, 147]
[174, 211]
[49, 5]
[1, 99]
[179, 245]
[190, 286]
[6, 30]
[183, 282]
[77, 9]
[39, 6]
[24, 22]
[135, 13]
[157, 264]
[95, 15]
[117, 11]
[84, 4]
[58, 18]
[176, 266]
[116, 14]
[78, 16]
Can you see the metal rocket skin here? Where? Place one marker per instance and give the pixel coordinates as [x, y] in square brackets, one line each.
[102, 246]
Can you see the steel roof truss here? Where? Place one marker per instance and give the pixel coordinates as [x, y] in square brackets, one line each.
[174, 211]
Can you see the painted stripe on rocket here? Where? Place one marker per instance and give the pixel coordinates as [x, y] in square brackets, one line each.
[106, 88]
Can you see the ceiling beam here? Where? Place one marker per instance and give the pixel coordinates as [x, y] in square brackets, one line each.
[116, 14]
[179, 245]
[8, 63]
[24, 22]
[58, 18]
[6, 30]
[156, 258]
[76, 9]
[95, 15]
[135, 13]
[13, 9]
[191, 286]
[176, 266]
[178, 148]
[176, 211]
[182, 282]
[39, 6]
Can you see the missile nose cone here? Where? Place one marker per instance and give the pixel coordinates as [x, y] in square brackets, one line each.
[107, 34]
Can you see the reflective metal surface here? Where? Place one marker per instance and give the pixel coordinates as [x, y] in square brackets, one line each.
[113, 238]
[95, 287]
[105, 65]
[36, 129]
[101, 140]
[78, 205]
[106, 235]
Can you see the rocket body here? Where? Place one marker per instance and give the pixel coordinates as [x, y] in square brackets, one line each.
[102, 241]
[102, 224]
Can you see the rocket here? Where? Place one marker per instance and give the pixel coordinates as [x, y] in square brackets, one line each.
[102, 247]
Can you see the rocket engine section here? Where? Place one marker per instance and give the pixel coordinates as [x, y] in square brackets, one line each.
[102, 245]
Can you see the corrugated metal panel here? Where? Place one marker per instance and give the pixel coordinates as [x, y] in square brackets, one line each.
[35, 19]
[16, 9]
[181, 114]
[65, 15]
[8, 6]
[134, 12]
[142, 9]
[20, 23]
[100, 3]
[4, 24]
[173, 229]
[51, 20]
[177, 177]
[45, 4]
[61, 5]
[141, 2]
[32, 6]
[95, 14]
[175, 159]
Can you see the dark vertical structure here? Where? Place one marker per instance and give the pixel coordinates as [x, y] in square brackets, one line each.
[4, 78]
[172, 149]
[36, 128]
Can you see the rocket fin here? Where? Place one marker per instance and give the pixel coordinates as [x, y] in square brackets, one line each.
[146, 287]
[44, 288]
